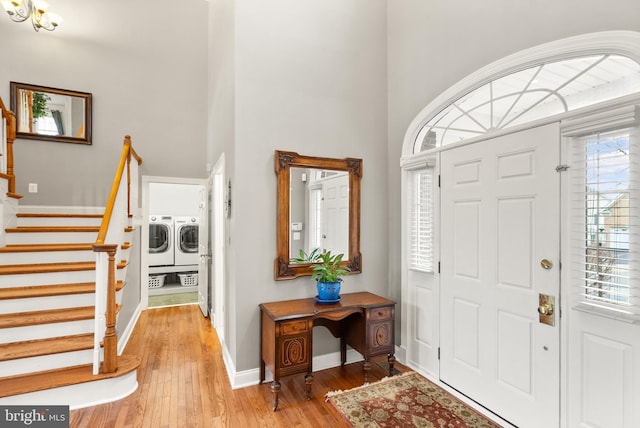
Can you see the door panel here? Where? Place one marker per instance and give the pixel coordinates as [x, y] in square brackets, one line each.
[500, 217]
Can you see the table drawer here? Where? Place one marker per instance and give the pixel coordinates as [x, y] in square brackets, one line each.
[294, 327]
[378, 314]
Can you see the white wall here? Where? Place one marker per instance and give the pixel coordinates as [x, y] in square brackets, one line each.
[432, 45]
[146, 66]
[174, 199]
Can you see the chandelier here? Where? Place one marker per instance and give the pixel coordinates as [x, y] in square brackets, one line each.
[36, 10]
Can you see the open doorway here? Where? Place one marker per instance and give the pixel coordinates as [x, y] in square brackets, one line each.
[173, 215]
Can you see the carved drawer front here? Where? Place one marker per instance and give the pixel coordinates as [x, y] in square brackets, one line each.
[380, 313]
[293, 327]
[381, 336]
[293, 352]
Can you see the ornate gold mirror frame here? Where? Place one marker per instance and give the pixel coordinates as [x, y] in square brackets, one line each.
[284, 161]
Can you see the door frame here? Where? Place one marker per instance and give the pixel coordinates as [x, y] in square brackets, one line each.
[217, 233]
[144, 233]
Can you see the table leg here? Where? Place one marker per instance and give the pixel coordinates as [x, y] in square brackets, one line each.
[262, 370]
[343, 351]
[391, 359]
[308, 380]
[275, 389]
[367, 367]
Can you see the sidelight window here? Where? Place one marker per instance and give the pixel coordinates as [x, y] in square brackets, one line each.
[604, 180]
[422, 224]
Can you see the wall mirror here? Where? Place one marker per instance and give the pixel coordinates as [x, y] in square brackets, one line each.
[318, 207]
[51, 114]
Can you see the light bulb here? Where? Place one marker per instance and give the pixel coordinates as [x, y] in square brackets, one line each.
[54, 19]
[9, 6]
[41, 5]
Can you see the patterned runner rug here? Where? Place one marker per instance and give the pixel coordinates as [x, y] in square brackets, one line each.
[407, 400]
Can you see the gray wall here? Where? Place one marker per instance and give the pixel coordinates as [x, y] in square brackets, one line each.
[310, 77]
[221, 128]
[146, 67]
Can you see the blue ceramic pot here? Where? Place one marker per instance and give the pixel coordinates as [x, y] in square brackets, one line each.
[329, 291]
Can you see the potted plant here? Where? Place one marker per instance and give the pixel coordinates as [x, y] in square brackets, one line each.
[39, 105]
[327, 270]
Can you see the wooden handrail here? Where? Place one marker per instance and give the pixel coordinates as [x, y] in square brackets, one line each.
[125, 158]
[10, 117]
[110, 340]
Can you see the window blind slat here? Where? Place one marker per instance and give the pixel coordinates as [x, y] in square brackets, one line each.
[421, 190]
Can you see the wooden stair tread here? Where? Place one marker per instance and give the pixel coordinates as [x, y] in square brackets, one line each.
[51, 290]
[38, 381]
[26, 248]
[36, 229]
[57, 215]
[54, 345]
[46, 268]
[22, 319]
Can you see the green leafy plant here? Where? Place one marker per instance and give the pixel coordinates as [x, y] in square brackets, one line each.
[328, 267]
[39, 105]
[303, 257]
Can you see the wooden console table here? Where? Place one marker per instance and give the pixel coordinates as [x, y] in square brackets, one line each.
[363, 321]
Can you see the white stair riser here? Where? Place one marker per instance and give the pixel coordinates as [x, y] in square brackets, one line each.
[10, 306]
[43, 331]
[53, 302]
[47, 278]
[50, 237]
[30, 257]
[51, 278]
[58, 221]
[45, 362]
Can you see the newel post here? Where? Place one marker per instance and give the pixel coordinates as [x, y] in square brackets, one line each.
[110, 341]
[11, 136]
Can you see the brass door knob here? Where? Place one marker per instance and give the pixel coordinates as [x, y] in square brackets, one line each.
[546, 264]
[545, 309]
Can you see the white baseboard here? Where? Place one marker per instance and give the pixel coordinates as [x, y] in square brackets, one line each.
[320, 362]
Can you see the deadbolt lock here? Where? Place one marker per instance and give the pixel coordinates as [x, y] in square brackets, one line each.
[546, 305]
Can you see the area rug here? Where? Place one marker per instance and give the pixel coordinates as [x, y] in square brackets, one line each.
[406, 400]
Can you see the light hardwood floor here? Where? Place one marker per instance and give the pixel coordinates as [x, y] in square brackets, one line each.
[183, 383]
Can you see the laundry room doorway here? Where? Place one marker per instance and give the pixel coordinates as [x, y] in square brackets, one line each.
[175, 215]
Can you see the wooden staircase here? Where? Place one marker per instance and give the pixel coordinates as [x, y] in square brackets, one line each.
[47, 298]
[60, 291]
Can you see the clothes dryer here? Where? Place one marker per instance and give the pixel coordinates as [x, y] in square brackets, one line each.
[186, 238]
[161, 239]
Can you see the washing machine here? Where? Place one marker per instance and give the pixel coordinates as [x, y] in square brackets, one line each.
[161, 240]
[186, 238]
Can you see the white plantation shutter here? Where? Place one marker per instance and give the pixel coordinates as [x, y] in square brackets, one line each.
[422, 223]
[604, 208]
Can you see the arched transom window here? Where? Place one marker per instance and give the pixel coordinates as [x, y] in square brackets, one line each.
[534, 93]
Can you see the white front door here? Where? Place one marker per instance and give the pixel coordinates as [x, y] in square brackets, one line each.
[335, 231]
[499, 221]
